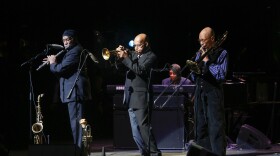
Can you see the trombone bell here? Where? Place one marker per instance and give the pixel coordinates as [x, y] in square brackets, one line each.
[193, 66]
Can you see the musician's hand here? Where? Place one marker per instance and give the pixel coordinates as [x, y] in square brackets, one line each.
[51, 59]
[45, 60]
[120, 48]
[122, 52]
[205, 59]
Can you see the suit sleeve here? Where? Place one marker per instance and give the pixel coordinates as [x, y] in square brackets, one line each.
[140, 67]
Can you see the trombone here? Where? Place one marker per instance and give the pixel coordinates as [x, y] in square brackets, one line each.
[194, 65]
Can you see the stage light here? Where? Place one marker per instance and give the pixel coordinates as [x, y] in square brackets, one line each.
[130, 43]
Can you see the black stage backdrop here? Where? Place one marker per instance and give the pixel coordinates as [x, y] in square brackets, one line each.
[173, 27]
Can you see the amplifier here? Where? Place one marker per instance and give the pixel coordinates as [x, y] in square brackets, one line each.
[168, 124]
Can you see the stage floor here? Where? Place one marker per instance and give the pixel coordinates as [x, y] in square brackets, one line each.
[99, 148]
[105, 147]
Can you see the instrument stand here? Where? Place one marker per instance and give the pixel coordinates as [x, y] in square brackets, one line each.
[31, 92]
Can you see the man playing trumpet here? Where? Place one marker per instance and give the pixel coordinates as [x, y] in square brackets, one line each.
[138, 93]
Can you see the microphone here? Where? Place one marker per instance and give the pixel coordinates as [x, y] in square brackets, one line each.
[93, 58]
[55, 46]
[161, 70]
[166, 67]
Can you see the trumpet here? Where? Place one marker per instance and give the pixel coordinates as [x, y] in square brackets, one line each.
[106, 54]
[86, 136]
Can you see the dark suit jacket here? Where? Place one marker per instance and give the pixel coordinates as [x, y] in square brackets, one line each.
[183, 81]
[137, 79]
[67, 71]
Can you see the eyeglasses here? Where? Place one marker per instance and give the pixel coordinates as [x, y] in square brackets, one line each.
[203, 40]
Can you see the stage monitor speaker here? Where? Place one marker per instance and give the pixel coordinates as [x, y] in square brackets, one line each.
[122, 131]
[251, 138]
[54, 150]
[167, 123]
[196, 150]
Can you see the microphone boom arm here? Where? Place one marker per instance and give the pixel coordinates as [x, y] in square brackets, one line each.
[77, 77]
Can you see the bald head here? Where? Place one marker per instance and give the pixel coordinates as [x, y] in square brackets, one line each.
[141, 42]
[141, 38]
[207, 38]
[207, 32]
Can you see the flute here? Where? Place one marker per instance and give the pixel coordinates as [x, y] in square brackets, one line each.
[48, 62]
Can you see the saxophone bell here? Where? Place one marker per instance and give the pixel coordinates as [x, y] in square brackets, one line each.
[37, 128]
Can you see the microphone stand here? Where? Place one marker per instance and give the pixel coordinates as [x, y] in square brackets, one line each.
[77, 77]
[271, 122]
[161, 70]
[31, 90]
[149, 107]
[149, 112]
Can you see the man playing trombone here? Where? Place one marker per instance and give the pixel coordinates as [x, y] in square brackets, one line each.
[209, 96]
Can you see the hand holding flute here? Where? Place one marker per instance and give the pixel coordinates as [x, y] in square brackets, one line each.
[50, 59]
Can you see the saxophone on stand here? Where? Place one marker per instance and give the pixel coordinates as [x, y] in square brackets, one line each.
[37, 128]
[86, 137]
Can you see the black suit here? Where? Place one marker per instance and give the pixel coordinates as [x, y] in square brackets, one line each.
[67, 70]
[137, 92]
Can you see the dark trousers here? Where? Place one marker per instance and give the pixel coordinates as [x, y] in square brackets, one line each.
[141, 130]
[210, 120]
[75, 114]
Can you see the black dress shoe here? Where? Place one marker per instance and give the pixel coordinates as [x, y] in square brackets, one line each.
[145, 154]
[155, 153]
